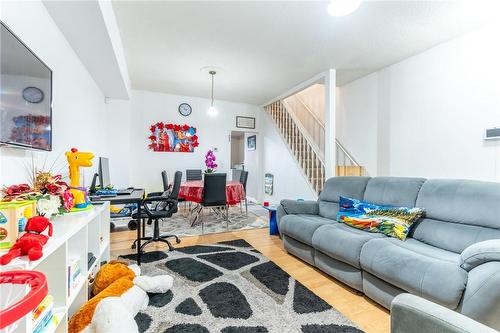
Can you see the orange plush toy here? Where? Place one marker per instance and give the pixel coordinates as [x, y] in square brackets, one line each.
[120, 292]
[32, 242]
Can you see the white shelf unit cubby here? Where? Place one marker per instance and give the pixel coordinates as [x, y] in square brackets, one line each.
[75, 235]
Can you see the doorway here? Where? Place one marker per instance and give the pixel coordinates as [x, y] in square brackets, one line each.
[237, 153]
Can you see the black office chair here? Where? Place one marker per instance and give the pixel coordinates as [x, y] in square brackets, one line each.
[192, 174]
[243, 181]
[214, 197]
[164, 179]
[166, 207]
[166, 186]
[132, 225]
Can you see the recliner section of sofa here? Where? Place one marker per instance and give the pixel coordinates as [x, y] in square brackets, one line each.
[451, 257]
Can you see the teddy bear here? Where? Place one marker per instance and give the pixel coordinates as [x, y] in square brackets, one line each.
[32, 242]
[120, 292]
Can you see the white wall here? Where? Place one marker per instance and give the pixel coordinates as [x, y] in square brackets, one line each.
[289, 181]
[253, 159]
[357, 112]
[77, 102]
[118, 120]
[428, 113]
[149, 108]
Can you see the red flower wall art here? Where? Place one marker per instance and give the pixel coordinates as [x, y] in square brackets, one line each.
[172, 138]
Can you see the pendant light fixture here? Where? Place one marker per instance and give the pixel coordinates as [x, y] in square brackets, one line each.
[212, 111]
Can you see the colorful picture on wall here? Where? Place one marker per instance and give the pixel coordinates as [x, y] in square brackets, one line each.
[172, 138]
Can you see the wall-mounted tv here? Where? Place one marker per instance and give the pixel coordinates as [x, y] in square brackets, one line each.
[25, 95]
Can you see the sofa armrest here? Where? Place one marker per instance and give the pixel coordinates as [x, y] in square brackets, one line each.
[480, 253]
[413, 314]
[300, 207]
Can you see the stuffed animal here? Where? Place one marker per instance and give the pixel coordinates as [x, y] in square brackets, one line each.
[119, 294]
[32, 242]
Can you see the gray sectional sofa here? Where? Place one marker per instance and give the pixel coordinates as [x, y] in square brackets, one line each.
[451, 257]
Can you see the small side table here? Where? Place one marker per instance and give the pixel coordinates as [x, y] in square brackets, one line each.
[273, 222]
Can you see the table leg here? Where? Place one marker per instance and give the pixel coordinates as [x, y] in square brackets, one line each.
[139, 220]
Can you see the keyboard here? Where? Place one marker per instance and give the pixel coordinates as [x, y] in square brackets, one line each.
[126, 191]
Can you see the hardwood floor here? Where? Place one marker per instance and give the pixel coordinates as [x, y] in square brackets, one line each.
[364, 312]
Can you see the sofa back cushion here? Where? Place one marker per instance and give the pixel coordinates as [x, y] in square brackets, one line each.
[458, 213]
[352, 187]
[393, 191]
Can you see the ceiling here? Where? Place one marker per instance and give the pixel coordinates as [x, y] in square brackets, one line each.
[263, 48]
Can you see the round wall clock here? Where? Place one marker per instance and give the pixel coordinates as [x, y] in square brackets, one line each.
[185, 109]
[33, 95]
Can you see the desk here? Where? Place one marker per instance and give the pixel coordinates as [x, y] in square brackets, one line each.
[134, 198]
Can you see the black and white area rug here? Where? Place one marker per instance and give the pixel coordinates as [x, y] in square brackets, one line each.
[230, 287]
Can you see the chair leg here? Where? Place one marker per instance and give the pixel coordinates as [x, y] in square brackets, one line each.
[170, 247]
[177, 239]
[145, 244]
[202, 221]
[227, 218]
[134, 244]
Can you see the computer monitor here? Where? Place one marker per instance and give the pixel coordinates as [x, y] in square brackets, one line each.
[104, 180]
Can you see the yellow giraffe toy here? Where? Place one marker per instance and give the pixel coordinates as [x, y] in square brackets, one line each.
[77, 159]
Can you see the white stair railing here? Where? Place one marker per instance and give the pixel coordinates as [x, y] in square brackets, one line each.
[308, 158]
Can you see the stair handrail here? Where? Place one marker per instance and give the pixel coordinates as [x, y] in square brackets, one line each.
[346, 153]
[304, 133]
[315, 117]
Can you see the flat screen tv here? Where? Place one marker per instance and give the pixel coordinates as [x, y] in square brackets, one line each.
[25, 95]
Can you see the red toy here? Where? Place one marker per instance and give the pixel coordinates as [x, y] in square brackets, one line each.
[32, 242]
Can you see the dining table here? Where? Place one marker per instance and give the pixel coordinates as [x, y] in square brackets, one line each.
[193, 191]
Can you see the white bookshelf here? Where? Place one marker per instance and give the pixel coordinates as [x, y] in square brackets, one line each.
[75, 235]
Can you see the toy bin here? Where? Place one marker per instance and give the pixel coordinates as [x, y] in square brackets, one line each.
[13, 217]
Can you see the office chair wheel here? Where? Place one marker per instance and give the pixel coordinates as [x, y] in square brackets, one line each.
[112, 226]
[132, 225]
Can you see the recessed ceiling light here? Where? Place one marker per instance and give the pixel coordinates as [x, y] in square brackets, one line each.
[343, 7]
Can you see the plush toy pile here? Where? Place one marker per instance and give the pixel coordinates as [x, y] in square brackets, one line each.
[32, 242]
[119, 294]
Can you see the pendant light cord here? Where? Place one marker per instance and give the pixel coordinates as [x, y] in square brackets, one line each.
[212, 73]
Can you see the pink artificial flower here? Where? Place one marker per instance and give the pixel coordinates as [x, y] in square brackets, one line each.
[68, 200]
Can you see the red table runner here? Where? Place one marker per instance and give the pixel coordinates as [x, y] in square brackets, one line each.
[193, 191]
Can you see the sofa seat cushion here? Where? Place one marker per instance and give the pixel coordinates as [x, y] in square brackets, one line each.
[416, 267]
[342, 242]
[301, 227]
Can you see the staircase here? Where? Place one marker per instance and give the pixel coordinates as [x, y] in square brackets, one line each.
[306, 152]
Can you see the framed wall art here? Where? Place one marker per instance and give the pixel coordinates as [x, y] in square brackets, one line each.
[172, 138]
[245, 122]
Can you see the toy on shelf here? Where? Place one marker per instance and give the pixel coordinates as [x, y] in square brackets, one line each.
[17, 303]
[77, 159]
[120, 293]
[32, 242]
[13, 217]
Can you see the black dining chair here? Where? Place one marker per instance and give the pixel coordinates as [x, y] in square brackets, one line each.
[243, 181]
[165, 208]
[214, 197]
[192, 174]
